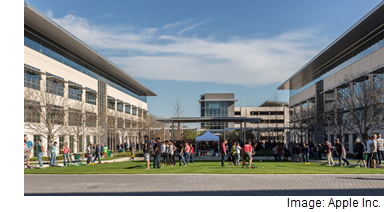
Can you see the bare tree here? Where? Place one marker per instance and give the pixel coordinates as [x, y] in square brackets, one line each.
[45, 109]
[178, 111]
[364, 103]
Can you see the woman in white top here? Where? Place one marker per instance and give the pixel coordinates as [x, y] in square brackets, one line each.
[26, 150]
[167, 152]
[237, 153]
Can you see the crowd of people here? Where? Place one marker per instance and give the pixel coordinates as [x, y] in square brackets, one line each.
[234, 151]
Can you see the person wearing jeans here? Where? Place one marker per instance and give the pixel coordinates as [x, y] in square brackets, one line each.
[181, 154]
[306, 153]
[223, 152]
[157, 154]
[40, 150]
[380, 148]
[187, 151]
[65, 151]
[89, 151]
[97, 153]
[53, 154]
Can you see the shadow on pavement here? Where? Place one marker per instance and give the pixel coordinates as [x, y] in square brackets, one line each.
[325, 192]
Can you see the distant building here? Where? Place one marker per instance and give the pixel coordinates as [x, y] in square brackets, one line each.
[275, 120]
[217, 105]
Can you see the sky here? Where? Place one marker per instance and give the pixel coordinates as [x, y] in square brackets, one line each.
[182, 49]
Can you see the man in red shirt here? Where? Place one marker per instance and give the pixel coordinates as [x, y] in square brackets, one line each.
[223, 152]
[192, 152]
[247, 154]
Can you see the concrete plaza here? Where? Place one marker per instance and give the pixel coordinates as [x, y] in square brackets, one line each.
[205, 185]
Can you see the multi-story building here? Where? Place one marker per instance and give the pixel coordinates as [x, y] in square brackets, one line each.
[275, 120]
[217, 105]
[341, 87]
[74, 94]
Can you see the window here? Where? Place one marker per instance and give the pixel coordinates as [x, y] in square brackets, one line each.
[75, 91]
[127, 109]
[91, 119]
[32, 111]
[346, 142]
[80, 143]
[90, 96]
[94, 139]
[61, 142]
[360, 85]
[111, 121]
[55, 85]
[332, 139]
[134, 124]
[35, 138]
[71, 143]
[378, 80]
[140, 114]
[31, 79]
[74, 117]
[134, 111]
[55, 114]
[144, 113]
[120, 122]
[127, 123]
[111, 103]
[88, 139]
[343, 92]
[329, 97]
[237, 113]
[120, 107]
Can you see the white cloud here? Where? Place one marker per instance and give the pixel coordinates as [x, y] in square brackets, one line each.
[160, 53]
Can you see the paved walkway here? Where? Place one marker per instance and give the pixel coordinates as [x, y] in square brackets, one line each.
[205, 185]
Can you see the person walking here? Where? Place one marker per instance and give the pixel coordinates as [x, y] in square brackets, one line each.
[339, 150]
[157, 153]
[315, 151]
[223, 152]
[30, 147]
[105, 150]
[286, 153]
[373, 151]
[359, 152]
[320, 151]
[25, 152]
[132, 148]
[181, 154]
[279, 152]
[274, 149]
[380, 148]
[53, 154]
[306, 153]
[369, 152]
[147, 150]
[237, 153]
[192, 152]
[40, 152]
[89, 152]
[187, 151]
[101, 150]
[172, 149]
[163, 148]
[247, 153]
[167, 151]
[65, 151]
[344, 156]
[49, 148]
[328, 150]
[97, 153]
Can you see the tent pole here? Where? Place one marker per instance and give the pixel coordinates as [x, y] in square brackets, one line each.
[172, 131]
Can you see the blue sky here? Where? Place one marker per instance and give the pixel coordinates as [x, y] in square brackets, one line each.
[187, 48]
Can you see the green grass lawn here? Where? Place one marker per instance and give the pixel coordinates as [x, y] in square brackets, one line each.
[60, 162]
[205, 167]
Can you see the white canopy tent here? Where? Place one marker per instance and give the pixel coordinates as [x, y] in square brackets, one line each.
[208, 136]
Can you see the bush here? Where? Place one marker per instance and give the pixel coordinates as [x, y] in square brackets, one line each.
[46, 158]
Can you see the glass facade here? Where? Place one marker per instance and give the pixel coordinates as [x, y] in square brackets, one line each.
[71, 142]
[111, 103]
[133, 111]
[32, 111]
[54, 85]
[50, 48]
[35, 138]
[90, 97]
[215, 109]
[127, 109]
[348, 62]
[75, 91]
[120, 107]
[31, 79]
[80, 143]
[74, 117]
